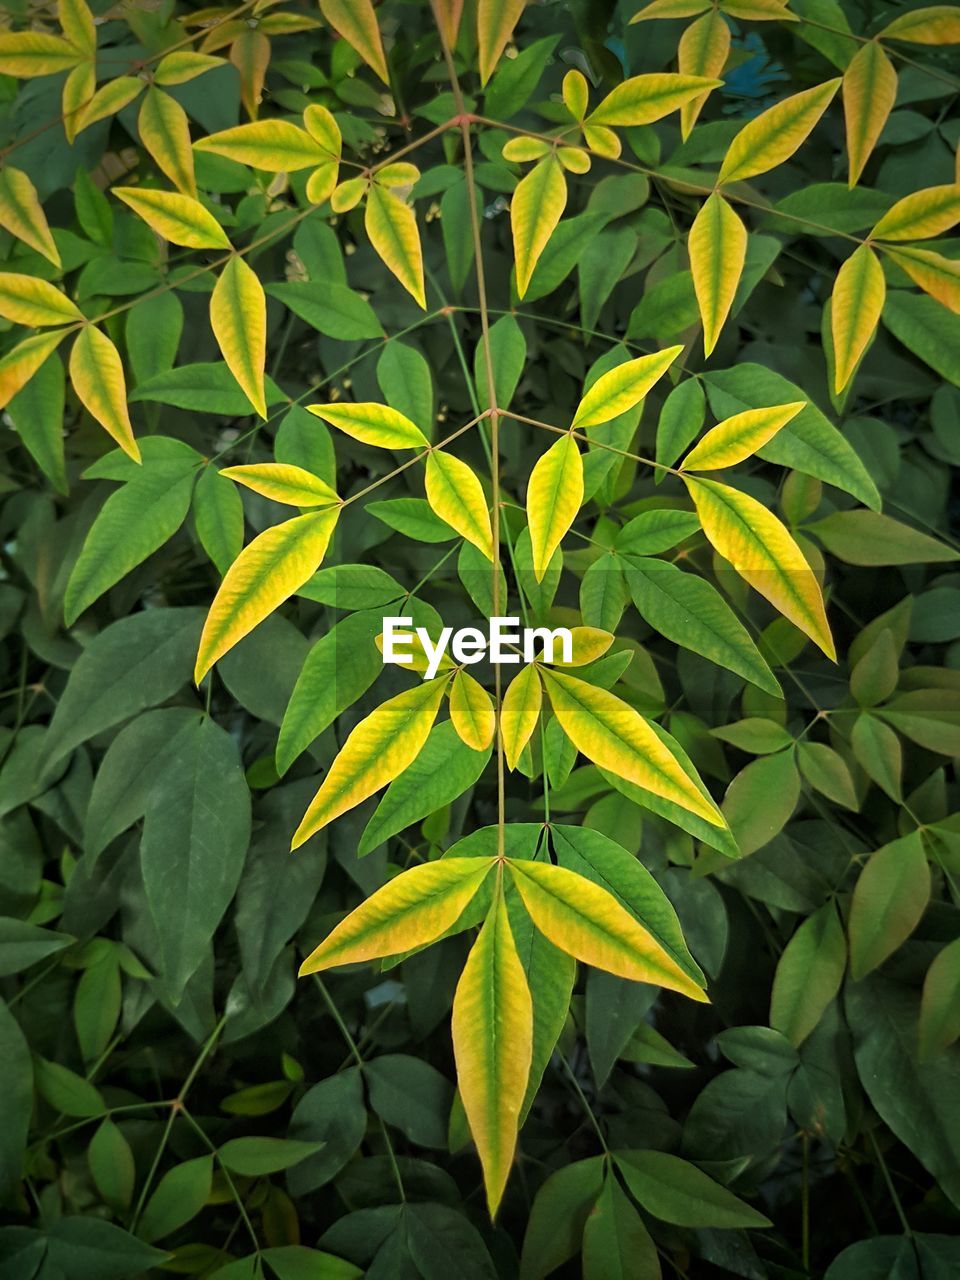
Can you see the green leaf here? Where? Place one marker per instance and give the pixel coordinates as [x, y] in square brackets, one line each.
[112, 1165]
[927, 329]
[808, 975]
[180, 1195]
[868, 538]
[17, 1101]
[23, 944]
[255, 1157]
[616, 1244]
[676, 1191]
[890, 896]
[508, 353]
[411, 1095]
[334, 310]
[558, 1217]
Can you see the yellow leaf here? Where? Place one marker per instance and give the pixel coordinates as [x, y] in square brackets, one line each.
[356, 21]
[855, 306]
[448, 14]
[323, 128]
[643, 99]
[27, 300]
[773, 136]
[456, 496]
[183, 65]
[283, 482]
[588, 923]
[76, 21]
[492, 1029]
[520, 712]
[523, 150]
[869, 92]
[411, 910]
[373, 424]
[718, 250]
[471, 711]
[574, 159]
[576, 93]
[21, 214]
[703, 51]
[96, 372]
[238, 317]
[736, 438]
[758, 10]
[109, 99]
[322, 182]
[165, 132]
[670, 9]
[265, 573]
[177, 218]
[921, 215]
[379, 749]
[250, 54]
[602, 141]
[391, 227]
[622, 388]
[614, 736]
[348, 194]
[939, 24]
[19, 365]
[78, 89]
[26, 54]
[554, 497]
[935, 274]
[589, 644]
[496, 20]
[764, 554]
[274, 146]
[535, 209]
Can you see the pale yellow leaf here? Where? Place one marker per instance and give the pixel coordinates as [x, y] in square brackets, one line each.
[19, 365]
[108, 100]
[622, 388]
[587, 645]
[274, 146]
[471, 711]
[283, 482]
[935, 274]
[703, 51]
[718, 250]
[374, 424]
[644, 99]
[182, 65]
[922, 215]
[391, 227]
[76, 22]
[739, 437]
[937, 25]
[855, 307]
[78, 89]
[22, 215]
[356, 21]
[165, 132]
[238, 317]
[773, 136]
[456, 496]
[177, 218]
[554, 497]
[535, 209]
[27, 300]
[869, 92]
[496, 20]
[25, 54]
[96, 372]
[520, 712]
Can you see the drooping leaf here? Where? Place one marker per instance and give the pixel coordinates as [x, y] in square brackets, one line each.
[472, 712]
[356, 21]
[96, 372]
[27, 300]
[238, 317]
[855, 309]
[496, 20]
[535, 209]
[456, 495]
[165, 132]
[869, 91]
[373, 424]
[718, 248]
[22, 215]
[177, 217]
[703, 51]
[19, 365]
[391, 226]
[554, 497]
[520, 712]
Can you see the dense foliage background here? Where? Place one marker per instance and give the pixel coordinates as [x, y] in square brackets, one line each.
[162, 1067]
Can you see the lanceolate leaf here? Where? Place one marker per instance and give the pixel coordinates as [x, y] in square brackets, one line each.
[391, 226]
[378, 749]
[922, 215]
[937, 24]
[702, 51]
[739, 437]
[855, 309]
[22, 215]
[495, 22]
[869, 91]
[535, 209]
[409, 911]
[493, 1045]
[238, 317]
[274, 565]
[718, 249]
[622, 388]
[282, 482]
[890, 896]
[356, 21]
[520, 713]
[373, 424]
[27, 300]
[25, 54]
[471, 711]
[96, 372]
[644, 99]
[456, 495]
[276, 146]
[764, 554]
[554, 497]
[935, 274]
[165, 132]
[588, 923]
[774, 135]
[178, 218]
[614, 736]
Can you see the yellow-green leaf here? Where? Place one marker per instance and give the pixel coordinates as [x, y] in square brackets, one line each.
[496, 20]
[493, 1046]
[935, 274]
[456, 496]
[554, 497]
[21, 213]
[736, 438]
[182, 65]
[165, 132]
[274, 146]
[718, 250]
[703, 51]
[391, 226]
[939, 24]
[27, 300]
[588, 923]
[374, 424]
[643, 99]
[449, 13]
[109, 99]
[26, 54]
[411, 910]
[576, 93]
[520, 712]
[614, 736]
[764, 554]
[472, 713]
[356, 21]
[588, 644]
[238, 317]
[20, 364]
[377, 751]
[855, 306]
[622, 388]
[283, 482]
[78, 89]
[322, 182]
[773, 136]
[524, 150]
[96, 372]
[265, 573]
[869, 92]
[670, 9]
[178, 218]
[76, 21]
[535, 209]
[323, 128]
[921, 215]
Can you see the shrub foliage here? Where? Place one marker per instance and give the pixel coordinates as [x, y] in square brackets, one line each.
[640, 324]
